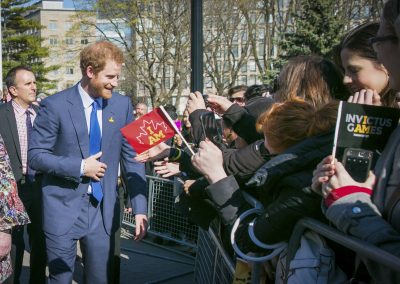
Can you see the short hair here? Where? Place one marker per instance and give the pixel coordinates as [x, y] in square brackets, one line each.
[236, 89]
[288, 123]
[12, 74]
[141, 104]
[171, 110]
[311, 78]
[256, 91]
[97, 54]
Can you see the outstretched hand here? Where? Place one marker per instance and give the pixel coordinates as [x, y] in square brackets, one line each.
[166, 169]
[195, 102]
[209, 161]
[219, 104]
[157, 152]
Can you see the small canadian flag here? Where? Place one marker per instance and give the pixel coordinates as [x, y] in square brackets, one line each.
[148, 131]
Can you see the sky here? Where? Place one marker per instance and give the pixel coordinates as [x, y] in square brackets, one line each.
[68, 4]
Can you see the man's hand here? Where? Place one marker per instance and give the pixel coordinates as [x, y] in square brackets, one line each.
[5, 244]
[157, 152]
[366, 97]
[219, 104]
[141, 226]
[93, 168]
[195, 102]
[208, 161]
[166, 169]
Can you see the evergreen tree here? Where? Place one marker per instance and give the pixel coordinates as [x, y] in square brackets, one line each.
[316, 29]
[22, 43]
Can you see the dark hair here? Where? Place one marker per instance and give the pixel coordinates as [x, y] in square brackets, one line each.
[357, 41]
[256, 91]
[236, 89]
[11, 75]
[171, 110]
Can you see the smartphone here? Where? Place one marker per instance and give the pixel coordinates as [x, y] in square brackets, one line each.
[357, 162]
[211, 128]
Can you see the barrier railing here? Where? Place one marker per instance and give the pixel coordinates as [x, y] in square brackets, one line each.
[362, 248]
[164, 220]
[212, 265]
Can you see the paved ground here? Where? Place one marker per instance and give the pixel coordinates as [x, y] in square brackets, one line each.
[144, 262]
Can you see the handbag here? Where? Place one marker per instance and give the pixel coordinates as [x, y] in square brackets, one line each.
[313, 262]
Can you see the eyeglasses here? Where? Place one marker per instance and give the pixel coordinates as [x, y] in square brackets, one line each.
[374, 41]
[238, 99]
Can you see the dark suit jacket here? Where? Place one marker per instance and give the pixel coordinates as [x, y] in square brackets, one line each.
[60, 141]
[9, 132]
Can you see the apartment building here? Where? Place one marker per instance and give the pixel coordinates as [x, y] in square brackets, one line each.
[65, 37]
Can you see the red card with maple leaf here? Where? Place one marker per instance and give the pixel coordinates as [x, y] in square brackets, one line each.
[148, 131]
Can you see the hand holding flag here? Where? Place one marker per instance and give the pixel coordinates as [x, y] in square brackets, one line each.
[150, 130]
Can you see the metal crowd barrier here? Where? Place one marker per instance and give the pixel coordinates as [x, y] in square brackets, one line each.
[164, 220]
[212, 265]
[362, 248]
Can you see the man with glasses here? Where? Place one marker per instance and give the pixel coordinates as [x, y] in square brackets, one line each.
[236, 94]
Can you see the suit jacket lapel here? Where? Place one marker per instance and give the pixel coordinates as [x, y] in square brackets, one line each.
[12, 124]
[77, 114]
[107, 123]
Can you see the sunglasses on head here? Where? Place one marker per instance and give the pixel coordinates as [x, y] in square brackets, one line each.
[238, 99]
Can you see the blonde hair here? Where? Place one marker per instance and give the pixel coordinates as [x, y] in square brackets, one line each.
[285, 124]
[97, 54]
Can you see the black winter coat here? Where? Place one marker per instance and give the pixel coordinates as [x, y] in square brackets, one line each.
[283, 188]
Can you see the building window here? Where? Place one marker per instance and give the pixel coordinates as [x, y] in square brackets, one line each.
[69, 70]
[67, 26]
[69, 41]
[53, 41]
[252, 66]
[53, 25]
[84, 41]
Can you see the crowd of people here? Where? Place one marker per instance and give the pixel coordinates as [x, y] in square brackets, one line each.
[277, 147]
[62, 162]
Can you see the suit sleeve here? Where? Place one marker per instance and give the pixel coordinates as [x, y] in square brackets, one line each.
[133, 173]
[44, 138]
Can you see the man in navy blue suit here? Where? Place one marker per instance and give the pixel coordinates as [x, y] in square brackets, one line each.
[77, 145]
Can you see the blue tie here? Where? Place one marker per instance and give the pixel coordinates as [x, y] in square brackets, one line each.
[95, 146]
[30, 173]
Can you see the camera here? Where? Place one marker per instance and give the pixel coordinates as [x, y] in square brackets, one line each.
[205, 98]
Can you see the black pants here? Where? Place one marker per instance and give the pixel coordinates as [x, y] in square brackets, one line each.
[31, 196]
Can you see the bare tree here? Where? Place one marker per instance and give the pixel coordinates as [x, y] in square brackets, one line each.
[157, 47]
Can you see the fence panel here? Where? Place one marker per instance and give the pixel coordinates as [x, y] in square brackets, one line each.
[164, 220]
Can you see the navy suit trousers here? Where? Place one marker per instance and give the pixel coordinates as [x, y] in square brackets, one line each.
[94, 244]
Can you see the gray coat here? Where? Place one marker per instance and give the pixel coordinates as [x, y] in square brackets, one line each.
[358, 215]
